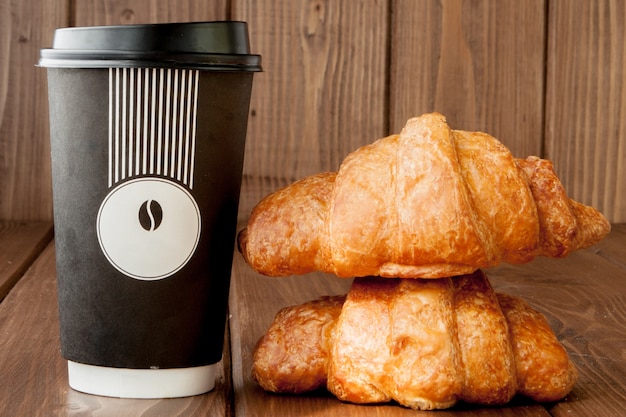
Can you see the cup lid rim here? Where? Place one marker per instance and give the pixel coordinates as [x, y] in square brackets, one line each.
[108, 59]
[216, 45]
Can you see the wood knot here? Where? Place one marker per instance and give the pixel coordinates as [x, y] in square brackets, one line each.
[127, 16]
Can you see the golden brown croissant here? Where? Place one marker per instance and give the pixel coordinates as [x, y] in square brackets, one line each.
[423, 343]
[430, 202]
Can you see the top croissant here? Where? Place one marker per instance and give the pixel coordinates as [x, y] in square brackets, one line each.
[430, 202]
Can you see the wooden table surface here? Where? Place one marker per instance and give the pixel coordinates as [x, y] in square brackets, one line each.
[583, 297]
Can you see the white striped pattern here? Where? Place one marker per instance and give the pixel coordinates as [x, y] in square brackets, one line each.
[152, 123]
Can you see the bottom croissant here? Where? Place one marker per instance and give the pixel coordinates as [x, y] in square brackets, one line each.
[425, 344]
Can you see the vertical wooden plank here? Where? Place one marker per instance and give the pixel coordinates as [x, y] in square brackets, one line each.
[481, 64]
[586, 101]
[323, 92]
[25, 186]
[103, 12]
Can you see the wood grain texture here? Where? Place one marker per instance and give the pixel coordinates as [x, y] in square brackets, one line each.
[28, 319]
[584, 299]
[481, 64]
[586, 101]
[34, 376]
[20, 244]
[324, 86]
[25, 186]
[102, 12]
[610, 249]
[544, 77]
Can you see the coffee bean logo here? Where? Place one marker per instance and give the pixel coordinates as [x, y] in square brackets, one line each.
[150, 215]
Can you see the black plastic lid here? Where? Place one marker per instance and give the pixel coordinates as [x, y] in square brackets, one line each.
[214, 46]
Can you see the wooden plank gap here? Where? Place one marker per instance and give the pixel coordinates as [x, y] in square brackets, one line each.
[20, 244]
[610, 249]
[544, 81]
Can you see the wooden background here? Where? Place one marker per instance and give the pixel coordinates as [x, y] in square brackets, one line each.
[546, 77]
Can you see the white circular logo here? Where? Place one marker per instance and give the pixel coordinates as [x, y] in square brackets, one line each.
[148, 228]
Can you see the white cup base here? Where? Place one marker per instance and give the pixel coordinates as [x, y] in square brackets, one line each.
[141, 383]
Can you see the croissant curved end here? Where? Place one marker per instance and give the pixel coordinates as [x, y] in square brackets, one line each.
[242, 242]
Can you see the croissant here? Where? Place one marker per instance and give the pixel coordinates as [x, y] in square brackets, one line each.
[430, 202]
[423, 343]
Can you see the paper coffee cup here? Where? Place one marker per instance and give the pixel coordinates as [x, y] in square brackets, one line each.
[147, 131]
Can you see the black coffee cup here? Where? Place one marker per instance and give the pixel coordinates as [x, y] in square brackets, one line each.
[147, 130]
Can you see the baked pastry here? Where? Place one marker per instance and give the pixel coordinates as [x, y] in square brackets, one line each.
[423, 343]
[430, 202]
[292, 356]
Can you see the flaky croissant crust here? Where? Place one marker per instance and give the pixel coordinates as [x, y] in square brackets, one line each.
[423, 343]
[427, 203]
